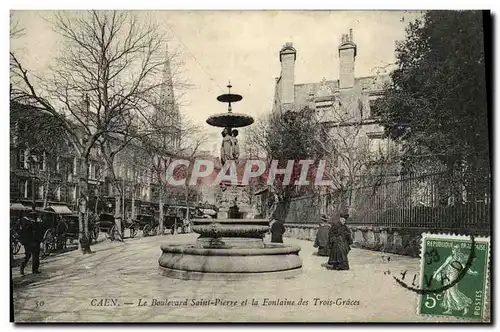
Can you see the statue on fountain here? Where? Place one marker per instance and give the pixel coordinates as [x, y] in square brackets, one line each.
[230, 247]
[236, 149]
[229, 149]
[226, 150]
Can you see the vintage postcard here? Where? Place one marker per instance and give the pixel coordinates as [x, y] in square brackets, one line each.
[250, 166]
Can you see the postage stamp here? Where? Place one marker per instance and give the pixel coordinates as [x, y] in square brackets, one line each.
[454, 276]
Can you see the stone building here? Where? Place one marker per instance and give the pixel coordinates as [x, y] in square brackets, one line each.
[46, 178]
[345, 108]
[343, 102]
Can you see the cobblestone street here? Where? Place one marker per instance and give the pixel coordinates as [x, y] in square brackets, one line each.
[72, 286]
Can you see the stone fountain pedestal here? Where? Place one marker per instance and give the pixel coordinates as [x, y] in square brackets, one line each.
[230, 249]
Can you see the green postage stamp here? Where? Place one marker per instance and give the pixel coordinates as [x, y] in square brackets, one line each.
[454, 276]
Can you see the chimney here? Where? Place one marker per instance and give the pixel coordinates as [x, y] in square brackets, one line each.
[288, 54]
[347, 55]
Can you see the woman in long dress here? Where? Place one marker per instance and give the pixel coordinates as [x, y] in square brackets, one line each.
[453, 298]
[226, 150]
[339, 241]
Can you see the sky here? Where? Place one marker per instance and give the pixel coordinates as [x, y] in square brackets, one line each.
[243, 46]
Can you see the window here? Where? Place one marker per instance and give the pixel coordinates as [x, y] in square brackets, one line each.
[73, 194]
[75, 166]
[27, 189]
[24, 188]
[40, 191]
[378, 145]
[97, 171]
[43, 162]
[58, 166]
[22, 158]
[374, 108]
[58, 193]
[91, 174]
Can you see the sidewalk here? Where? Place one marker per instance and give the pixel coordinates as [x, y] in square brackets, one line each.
[72, 286]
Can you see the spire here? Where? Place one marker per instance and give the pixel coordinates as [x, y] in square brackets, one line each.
[169, 110]
[167, 86]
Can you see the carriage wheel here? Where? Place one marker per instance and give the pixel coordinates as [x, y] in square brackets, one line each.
[47, 244]
[16, 246]
[146, 230]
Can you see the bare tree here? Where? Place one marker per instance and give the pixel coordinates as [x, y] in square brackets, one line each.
[162, 146]
[105, 77]
[16, 29]
[352, 161]
[338, 135]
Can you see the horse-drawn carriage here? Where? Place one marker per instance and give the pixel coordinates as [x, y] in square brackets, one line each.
[148, 223]
[60, 225]
[68, 229]
[48, 227]
[107, 225]
[17, 211]
[177, 219]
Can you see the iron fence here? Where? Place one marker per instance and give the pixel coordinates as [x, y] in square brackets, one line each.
[432, 201]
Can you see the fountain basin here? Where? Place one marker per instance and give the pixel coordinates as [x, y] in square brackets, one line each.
[192, 263]
[241, 228]
[218, 230]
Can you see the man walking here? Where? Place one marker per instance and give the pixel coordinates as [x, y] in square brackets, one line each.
[30, 238]
[321, 241]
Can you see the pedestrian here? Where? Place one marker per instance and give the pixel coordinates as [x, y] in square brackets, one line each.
[339, 245]
[30, 238]
[321, 241]
[277, 231]
[347, 231]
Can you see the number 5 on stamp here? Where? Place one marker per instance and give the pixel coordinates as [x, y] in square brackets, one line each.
[454, 276]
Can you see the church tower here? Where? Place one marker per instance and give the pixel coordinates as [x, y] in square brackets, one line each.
[168, 107]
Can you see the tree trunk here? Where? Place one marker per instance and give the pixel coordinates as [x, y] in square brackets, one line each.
[133, 204]
[98, 196]
[83, 220]
[118, 216]
[161, 212]
[46, 194]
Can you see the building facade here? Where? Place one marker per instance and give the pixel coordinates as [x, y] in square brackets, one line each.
[344, 105]
[41, 177]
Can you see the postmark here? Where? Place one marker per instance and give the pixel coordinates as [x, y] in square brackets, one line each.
[453, 276]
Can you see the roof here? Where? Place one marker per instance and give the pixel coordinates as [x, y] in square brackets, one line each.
[19, 206]
[60, 209]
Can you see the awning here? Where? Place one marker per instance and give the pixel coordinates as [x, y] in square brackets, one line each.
[60, 209]
[209, 212]
[19, 206]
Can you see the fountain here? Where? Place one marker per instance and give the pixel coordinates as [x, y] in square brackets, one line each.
[230, 247]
